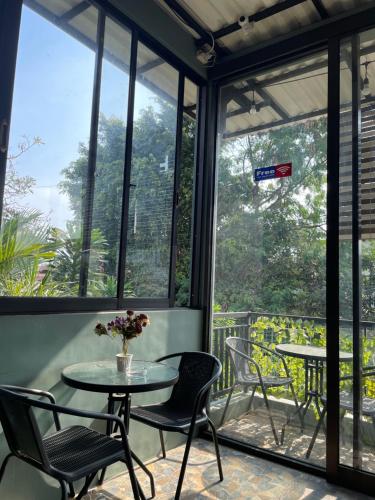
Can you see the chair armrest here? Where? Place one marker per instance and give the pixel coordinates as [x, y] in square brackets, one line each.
[26, 390]
[65, 410]
[168, 356]
[36, 392]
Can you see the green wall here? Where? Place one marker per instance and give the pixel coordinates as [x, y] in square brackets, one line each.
[35, 348]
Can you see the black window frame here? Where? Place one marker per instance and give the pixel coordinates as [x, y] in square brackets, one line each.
[37, 305]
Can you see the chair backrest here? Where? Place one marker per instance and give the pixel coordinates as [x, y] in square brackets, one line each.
[196, 369]
[20, 427]
[238, 346]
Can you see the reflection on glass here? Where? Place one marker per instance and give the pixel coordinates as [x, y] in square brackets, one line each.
[42, 219]
[186, 192]
[270, 257]
[152, 178]
[109, 175]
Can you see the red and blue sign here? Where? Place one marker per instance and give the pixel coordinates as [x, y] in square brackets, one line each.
[273, 172]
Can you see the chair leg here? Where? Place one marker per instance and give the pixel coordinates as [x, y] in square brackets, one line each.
[84, 490]
[251, 398]
[184, 462]
[4, 464]
[72, 493]
[162, 444]
[296, 403]
[270, 415]
[132, 476]
[227, 404]
[146, 471]
[316, 432]
[64, 493]
[218, 458]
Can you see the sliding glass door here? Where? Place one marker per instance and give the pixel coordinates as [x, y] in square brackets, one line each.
[269, 327]
[357, 250]
[293, 305]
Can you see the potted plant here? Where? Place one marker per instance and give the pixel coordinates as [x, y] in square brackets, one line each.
[127, 328]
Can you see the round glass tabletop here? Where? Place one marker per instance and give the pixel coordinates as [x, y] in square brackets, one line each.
[103, 376]
[309, 352]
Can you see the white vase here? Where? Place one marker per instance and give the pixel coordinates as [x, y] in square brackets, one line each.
[124, 362]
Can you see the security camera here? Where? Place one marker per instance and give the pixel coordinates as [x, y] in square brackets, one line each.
[245, 25]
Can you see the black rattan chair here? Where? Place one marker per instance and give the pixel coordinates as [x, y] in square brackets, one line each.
[68, 454]
[185, 410]
[247, 373]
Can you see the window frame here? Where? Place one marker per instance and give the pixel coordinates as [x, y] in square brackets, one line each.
[37, 305]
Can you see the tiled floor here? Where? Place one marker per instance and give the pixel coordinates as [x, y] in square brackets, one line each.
[245, 477]
[254, 428]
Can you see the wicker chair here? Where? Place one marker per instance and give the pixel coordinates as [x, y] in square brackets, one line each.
[68, 454]
[185, 410]
[247, 374]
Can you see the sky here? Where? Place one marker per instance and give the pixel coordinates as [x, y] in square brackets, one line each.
[52, 100]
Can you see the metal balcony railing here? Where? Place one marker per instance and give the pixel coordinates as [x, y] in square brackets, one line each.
[241, 324]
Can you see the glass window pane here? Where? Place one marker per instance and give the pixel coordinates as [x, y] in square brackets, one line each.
[109, 175]
[41, 226]
[152, 178]
[186, 195]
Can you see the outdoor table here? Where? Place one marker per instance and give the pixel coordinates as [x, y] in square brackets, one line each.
[103, 377]
[314, 359]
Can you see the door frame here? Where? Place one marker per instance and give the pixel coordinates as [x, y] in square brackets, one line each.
[274, 54]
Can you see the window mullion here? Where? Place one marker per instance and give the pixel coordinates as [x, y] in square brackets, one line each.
[91, 165]
[176, 187]
[127, 170]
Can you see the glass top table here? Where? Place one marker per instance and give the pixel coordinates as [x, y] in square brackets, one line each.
[310, 352]
[103, 376]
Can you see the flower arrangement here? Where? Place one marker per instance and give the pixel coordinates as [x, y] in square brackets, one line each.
[127, 327]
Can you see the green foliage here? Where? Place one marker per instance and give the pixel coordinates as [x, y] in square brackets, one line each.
[150, 206]
[270, 236]
[24, 246]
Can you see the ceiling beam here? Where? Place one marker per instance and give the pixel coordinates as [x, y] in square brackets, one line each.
[278, 123]
[292, 44]
[150, 65]
[283, 77]
[258, 16]
[266, 96]
[193, 24]
[322, 11]
[74, 12]
[298, 118]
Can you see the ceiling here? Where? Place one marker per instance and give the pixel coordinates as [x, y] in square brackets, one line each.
[272, 17]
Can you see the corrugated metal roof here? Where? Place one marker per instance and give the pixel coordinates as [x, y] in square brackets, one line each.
[216, 14]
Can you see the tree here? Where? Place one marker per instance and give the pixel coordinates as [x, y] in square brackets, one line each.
[270, 236]
[16, 186]
[151, 198]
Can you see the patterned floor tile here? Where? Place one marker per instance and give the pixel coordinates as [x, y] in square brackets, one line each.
[245, 477]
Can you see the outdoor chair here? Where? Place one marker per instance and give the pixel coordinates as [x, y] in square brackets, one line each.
[248, 374]
[346, 404]
[68, 454]
[186, 409]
